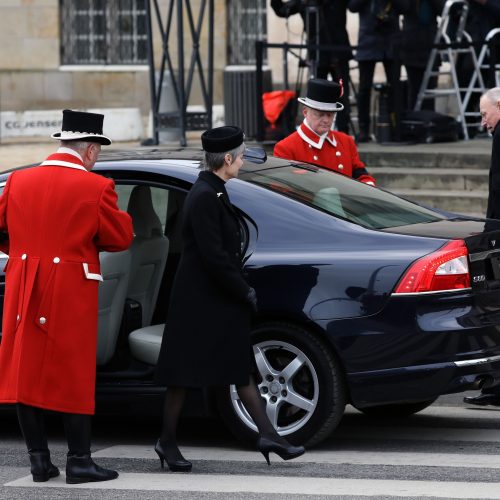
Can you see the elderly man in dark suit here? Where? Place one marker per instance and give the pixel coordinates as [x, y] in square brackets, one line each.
[489, 106]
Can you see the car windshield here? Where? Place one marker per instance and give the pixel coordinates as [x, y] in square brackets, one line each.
[341, 196]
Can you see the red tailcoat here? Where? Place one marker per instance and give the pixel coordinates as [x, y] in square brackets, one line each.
[336, 151]
[58, 217]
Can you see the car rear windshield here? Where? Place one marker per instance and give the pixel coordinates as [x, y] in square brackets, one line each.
[341, 196]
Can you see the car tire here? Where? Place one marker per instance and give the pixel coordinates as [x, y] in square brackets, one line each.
[396, 410]
[304, 402]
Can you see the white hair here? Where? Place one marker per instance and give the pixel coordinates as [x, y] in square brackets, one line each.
[78, 146]
[493, 95]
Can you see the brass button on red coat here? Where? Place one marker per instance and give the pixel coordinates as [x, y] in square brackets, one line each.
[315, 157]
[42, 320]
[341, 167]
[23, 256]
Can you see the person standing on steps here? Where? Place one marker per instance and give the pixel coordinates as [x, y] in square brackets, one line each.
[211, 346]
[378, 29]
[49, 341]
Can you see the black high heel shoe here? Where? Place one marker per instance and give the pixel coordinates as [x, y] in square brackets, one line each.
[180, 465]
[286, 452]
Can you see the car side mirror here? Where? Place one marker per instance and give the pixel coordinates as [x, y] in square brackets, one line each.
[255, 155]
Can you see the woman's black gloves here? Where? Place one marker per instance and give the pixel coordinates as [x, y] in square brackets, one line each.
[252, 299]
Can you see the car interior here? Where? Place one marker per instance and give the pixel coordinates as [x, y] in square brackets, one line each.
[133, 296]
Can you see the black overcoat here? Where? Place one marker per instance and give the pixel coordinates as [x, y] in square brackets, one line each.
[493, 210]
[206, 340]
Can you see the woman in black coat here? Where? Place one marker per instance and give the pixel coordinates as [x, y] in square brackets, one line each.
[207, 334]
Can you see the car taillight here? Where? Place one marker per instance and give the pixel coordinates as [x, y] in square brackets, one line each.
[445, 269]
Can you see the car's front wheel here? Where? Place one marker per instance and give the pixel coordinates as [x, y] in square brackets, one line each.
[299, 379]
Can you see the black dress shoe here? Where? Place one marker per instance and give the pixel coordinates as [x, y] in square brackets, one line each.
[180, 464]
[82, 469]
[42, 469]
[483, 400]
[285, 450]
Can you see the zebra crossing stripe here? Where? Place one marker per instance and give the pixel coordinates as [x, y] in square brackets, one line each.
[334, 457]
[268, 484]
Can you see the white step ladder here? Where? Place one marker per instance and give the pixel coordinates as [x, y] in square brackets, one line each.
[484, 55]
[451, 29]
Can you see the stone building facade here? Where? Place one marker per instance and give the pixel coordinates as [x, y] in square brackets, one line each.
[36, 72]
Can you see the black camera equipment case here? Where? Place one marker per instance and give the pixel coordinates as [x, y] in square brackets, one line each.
[428, 126]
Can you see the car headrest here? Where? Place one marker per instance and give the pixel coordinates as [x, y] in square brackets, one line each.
[144, 218]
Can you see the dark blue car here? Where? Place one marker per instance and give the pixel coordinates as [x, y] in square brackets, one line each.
[364, 298]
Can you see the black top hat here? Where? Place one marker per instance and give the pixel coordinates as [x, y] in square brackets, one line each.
[82, 126]
[222, 139]
[323, 95]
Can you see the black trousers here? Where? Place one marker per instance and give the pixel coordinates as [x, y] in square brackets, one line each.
[366, 71]
[77, 428]
[415, 77]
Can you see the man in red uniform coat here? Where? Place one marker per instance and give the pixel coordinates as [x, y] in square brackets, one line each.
[316, 142]
[57, 216]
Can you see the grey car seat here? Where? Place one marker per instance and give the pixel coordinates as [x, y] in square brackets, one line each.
[115, 268]
[145, 343]
[149, 252]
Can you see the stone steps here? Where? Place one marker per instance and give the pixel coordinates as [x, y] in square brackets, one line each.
[460, 201]
[466, 179]
[450, 176]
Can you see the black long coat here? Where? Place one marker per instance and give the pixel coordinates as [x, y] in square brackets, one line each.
[207, 333]
[493, 210]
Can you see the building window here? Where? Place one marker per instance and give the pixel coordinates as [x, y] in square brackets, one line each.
[103, 32]
[247, 22]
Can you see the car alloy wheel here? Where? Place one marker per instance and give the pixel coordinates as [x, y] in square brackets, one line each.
[288, 383]
[300, 380]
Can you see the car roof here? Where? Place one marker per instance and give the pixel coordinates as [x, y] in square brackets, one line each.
[177, 161]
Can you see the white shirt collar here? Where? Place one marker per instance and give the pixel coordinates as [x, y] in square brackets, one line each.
[321, 138]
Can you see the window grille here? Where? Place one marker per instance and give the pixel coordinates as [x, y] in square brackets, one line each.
[247, 22]
[103, 32]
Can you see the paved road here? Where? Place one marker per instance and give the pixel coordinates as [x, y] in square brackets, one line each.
[446, 451]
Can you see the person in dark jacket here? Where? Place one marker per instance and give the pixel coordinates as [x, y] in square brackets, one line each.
[207, 334]
[332, 31]
[378, 27]
[489, 106]
[415, 43]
